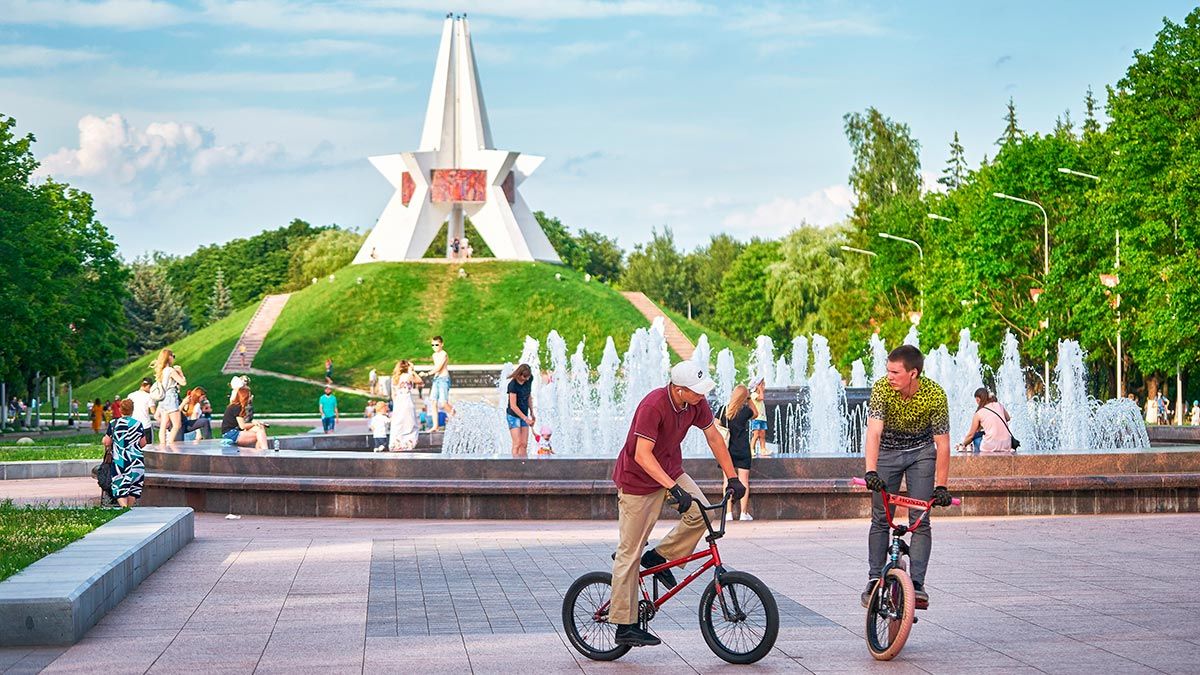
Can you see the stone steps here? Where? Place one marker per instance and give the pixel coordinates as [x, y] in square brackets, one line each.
[676, 340]
[255, 333]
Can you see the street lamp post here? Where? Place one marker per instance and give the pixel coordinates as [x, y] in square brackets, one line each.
[859, 250]
[1115, 281]
[934, 216]
[921, 256]
[1045, 265]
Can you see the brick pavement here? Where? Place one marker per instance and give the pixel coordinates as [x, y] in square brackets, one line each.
[1009, 595]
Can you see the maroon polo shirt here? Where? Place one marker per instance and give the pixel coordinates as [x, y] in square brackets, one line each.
[658, 420]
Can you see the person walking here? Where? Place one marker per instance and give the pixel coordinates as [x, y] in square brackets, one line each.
[439, 391]
[989, 426]
[242, 353]
[649, 467]
[237, 425]
[404, 430]
[170, 377]
[329, 370]
[908, 437]
[372, 381]
[74, 411]
[736, 416]
[327, 405]
[520, 386]
[143, 406]
[126, 438]
[97, 415]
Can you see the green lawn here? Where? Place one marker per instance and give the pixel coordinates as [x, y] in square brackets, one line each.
[90, 447]
[202, 355]
[483, 318]
[30, 533]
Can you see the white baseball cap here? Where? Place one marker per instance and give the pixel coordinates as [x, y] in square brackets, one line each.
[692, 375]
[237, 382]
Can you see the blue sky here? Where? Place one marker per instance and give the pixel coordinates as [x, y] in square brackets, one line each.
[198, 122]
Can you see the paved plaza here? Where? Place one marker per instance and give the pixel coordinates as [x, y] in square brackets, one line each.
[1009, 595]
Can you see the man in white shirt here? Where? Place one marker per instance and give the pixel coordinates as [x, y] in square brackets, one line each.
[142, 404]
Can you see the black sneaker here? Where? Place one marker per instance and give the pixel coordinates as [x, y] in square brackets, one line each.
[629, 635]
[652, 558]
[921, 596]
[866, 595]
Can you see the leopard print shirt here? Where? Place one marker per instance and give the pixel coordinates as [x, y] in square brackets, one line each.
[909, 424]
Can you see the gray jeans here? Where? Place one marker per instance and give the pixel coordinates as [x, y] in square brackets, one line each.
[917, 468]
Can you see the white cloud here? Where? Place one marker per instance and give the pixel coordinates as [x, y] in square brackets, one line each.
[310, 48]
[334, 80]
[116, 14]
[37, 56]
[277, 15]
[821, 208]
[563, 9]
[130, 166]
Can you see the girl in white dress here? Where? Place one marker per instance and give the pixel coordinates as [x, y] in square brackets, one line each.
[404, 416]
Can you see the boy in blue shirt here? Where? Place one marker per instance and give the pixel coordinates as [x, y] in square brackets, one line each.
[327, 405]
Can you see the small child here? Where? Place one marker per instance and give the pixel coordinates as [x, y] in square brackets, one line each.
[543, 441]
[423, 420]
[369, 411]
[379, 427]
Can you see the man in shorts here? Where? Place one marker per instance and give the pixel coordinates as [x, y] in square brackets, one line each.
[649, 468]
[439, 391]
[908, 436]
[327, 405]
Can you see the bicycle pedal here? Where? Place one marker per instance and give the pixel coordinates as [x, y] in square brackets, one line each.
[915, 618]
[922, 604]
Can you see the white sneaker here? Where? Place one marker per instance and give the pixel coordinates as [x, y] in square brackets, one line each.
[746, 516]
[729, 514]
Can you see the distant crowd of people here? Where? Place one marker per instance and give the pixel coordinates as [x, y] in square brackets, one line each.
[397, 419]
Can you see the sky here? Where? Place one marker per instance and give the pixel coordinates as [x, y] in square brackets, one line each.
[202, 121]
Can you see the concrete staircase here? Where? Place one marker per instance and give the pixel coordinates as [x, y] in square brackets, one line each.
[254, 334]
[676, 340]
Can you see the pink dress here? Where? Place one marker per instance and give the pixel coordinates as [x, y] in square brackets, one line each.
[996, 437]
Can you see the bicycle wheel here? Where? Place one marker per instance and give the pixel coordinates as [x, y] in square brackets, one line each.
[741, 624]
[890, 615]
[585, 617]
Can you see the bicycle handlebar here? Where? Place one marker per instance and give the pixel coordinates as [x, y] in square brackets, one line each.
[955, 501]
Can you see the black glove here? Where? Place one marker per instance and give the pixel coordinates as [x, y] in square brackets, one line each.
[736, 487]
[941, 496]
[874, 482]
[683, 500]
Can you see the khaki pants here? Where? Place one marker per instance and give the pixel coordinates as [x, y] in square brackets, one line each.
[637, 516]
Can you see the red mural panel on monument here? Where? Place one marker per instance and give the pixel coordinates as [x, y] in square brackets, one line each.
[510, 190]
[407, 188]
[459, 185]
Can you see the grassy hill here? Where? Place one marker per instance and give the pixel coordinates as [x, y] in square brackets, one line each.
[373, 315]
[483, 317]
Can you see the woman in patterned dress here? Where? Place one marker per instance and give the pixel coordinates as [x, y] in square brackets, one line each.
[126, 439]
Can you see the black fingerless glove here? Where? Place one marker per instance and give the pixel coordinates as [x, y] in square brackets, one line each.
[736, 487]
[874, 482]
[941, 496]
[683, 500]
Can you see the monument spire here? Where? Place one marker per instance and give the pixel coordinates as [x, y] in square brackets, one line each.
[456, 173]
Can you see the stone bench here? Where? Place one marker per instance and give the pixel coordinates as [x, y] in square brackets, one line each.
[54, 468]
[57, 599]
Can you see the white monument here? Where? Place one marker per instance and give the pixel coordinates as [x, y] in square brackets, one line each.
[457, 173]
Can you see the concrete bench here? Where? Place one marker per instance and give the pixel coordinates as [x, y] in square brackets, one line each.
[52, 468]
[57, 599]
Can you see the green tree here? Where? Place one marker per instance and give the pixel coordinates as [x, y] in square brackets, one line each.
[708, 265]
[606, 260]
[219, 303]
[810, 269]
[1012, 130]
[318, 257]
[569, 251]
[659, 270]
[155, 314]
[1091, 125]
[744, 306]
[886, 160]
[956, 169]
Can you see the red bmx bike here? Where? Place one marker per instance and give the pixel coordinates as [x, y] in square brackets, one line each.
[738, 615]
[892, 609]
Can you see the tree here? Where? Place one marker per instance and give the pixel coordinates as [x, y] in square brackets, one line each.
[1012, 131]
[956, 170]
[318, 257]
[659, 270]
[569, 251]
[155, 313]
[219, 303]
[886, 160]
[1090, 125]
[479, 247]
[606, 260]
[707, 265]
[811, 267]
[1063, 126]
[743, 307]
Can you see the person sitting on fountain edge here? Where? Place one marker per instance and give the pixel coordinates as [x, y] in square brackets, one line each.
[648, 469]
[908, 436]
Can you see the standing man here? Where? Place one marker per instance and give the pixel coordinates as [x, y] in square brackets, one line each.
[908, 436]
[327, 406]
[143, 406]
[439, 391]
[648, 469]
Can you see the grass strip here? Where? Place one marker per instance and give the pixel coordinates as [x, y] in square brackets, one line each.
[30, 533]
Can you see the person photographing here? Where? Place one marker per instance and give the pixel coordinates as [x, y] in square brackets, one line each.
[908, 437]
[649, 469]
